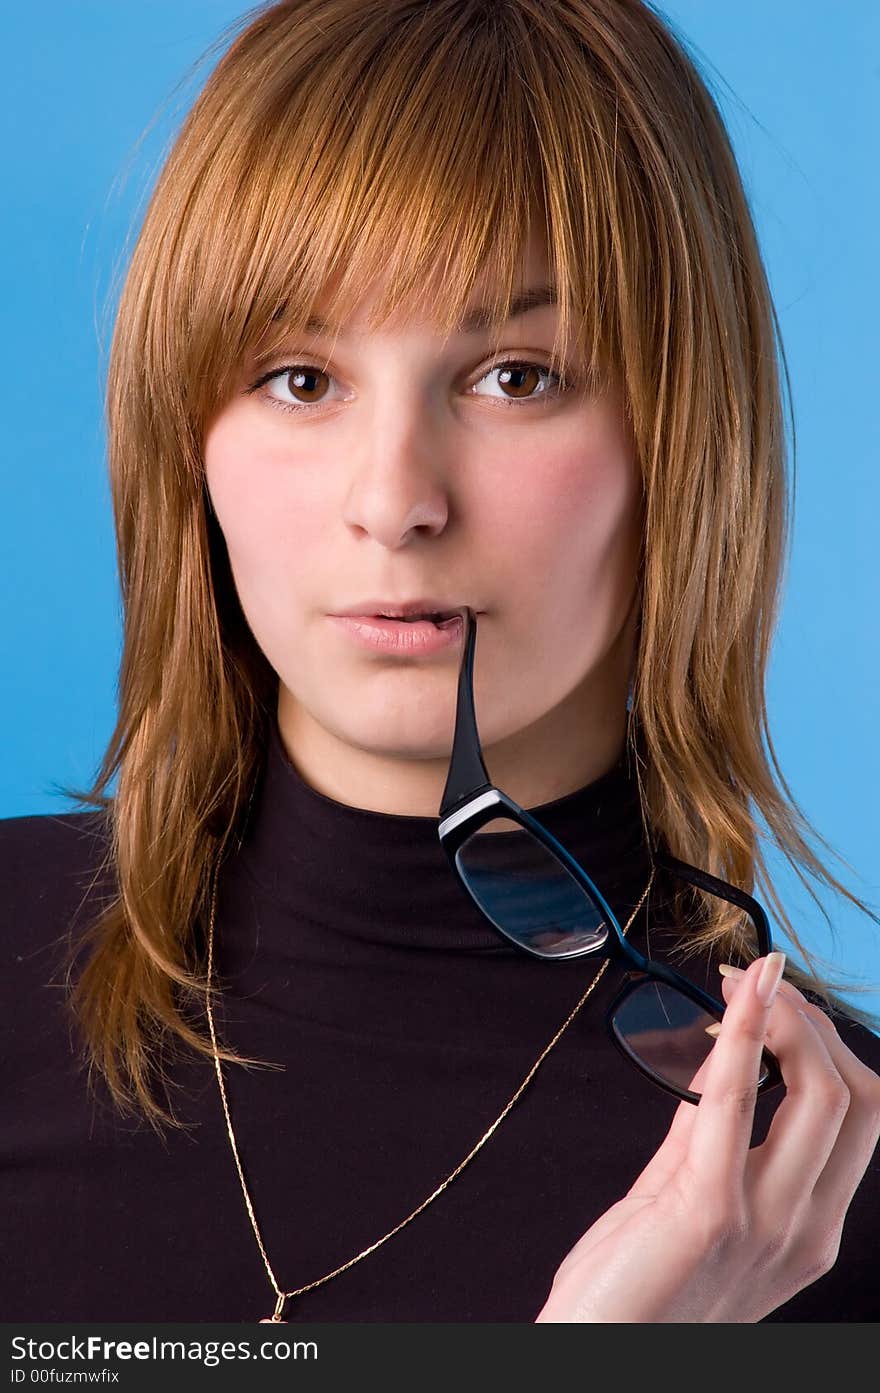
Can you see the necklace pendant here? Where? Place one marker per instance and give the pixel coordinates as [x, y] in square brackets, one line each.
[275, 1318]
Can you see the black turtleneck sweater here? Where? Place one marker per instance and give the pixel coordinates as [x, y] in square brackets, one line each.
[348, 953]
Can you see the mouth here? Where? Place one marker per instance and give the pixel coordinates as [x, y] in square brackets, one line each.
[408, 635]
[439, 619]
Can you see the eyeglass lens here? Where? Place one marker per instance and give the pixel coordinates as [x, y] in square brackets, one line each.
[527, 891]
[530, 895]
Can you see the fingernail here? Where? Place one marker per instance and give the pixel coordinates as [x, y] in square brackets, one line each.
[714, 1029]
[769, 978]
[728, 970]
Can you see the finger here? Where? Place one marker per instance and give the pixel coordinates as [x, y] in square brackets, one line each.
[787, 989]
[860, 1130]
[805, 1127]
[858, 1137]
[722, 1128]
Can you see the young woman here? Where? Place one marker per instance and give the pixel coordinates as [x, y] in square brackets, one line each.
[435, 305]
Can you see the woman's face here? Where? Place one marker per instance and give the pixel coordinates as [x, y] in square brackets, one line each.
[417, 467]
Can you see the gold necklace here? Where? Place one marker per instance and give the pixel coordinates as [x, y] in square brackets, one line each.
[282, 1296]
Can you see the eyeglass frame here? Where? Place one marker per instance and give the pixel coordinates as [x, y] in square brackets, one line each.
[470, 800]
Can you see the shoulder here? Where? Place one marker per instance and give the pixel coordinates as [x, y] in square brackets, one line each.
[44, 855]
[23, 837]
[52, 876]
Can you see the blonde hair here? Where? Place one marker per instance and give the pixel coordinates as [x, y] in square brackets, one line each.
[412, 144]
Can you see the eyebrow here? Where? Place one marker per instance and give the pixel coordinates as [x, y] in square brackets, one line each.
[532, 299]
[479, 318]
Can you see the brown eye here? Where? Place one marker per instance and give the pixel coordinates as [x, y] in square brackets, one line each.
[521, 382]
[304, 383]
[523, 379]
[299, 386]
[295, 387]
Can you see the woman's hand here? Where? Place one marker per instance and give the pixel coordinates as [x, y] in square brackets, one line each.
[714, 1231]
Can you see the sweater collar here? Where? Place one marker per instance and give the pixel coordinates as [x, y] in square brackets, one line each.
[384, 877]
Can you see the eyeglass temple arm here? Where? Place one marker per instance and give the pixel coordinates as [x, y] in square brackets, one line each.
[725, 891]
[467, 773]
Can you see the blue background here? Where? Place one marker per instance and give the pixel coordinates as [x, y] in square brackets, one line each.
[89, 102]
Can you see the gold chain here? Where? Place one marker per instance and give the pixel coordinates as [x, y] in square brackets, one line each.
[286, 1295]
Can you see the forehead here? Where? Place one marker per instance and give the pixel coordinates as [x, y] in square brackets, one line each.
[533, 289]
[477, 317]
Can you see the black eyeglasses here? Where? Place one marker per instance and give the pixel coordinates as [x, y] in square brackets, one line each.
[534, 893]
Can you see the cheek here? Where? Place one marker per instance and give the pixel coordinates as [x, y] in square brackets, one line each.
[270, 524]
[573, 521]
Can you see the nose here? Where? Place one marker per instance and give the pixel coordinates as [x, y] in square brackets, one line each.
[399, 484]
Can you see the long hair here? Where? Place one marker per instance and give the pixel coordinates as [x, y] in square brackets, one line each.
[412, 142]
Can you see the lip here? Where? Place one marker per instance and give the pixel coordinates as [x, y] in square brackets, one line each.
[417, 639]
[391, 609]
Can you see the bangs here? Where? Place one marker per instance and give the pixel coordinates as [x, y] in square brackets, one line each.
[405, 156]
